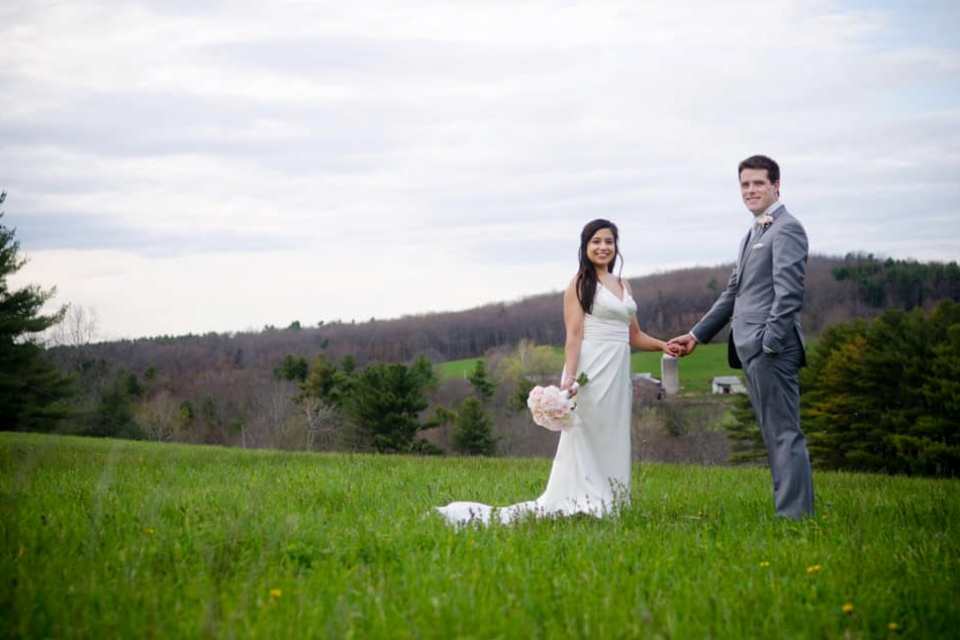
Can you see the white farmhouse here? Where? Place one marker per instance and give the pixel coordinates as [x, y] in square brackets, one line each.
[727, 385]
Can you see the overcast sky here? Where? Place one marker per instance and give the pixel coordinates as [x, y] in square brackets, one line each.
[184, 166]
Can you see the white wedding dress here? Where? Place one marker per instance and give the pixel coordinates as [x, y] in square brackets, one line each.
[591, 470]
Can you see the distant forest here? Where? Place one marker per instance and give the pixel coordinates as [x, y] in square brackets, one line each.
[838, 289]
[226, 389]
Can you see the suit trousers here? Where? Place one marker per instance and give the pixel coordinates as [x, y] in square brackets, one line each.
[774, 387]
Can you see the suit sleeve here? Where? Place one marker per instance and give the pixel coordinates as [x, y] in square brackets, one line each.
[789, 273]
[719, 314]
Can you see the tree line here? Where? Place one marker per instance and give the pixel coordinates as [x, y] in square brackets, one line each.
[382, 406]
[880, 393]
[838, 290]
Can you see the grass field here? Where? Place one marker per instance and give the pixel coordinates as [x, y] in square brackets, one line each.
[696, 372]
[108, 538]
[455, 368]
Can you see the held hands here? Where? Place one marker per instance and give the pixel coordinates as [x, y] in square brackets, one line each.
[673, 349]
[684, 344]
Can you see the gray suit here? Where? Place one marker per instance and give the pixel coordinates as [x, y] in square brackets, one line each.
[762, 301]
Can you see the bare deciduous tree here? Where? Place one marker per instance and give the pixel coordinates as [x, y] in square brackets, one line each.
[159, 417]
[322, 423]
[78, 328]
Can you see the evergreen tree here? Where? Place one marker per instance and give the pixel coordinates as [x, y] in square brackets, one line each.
[902, 283]
[481, 382]
[744, 432]
[186, 417]
[473, 432]
[422, 368]
[132, 385]
[292, 368]
[321, 381]
[933, 445]
[113, 416]
[882, 396]
[385, 403]
[517, 400]
[33, 392]
[213, 428]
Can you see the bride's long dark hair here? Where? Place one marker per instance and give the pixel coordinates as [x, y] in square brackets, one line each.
[587, 275]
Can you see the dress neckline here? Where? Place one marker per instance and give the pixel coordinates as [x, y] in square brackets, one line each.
[603, 286]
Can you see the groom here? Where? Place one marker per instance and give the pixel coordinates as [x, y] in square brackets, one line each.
[762, 301]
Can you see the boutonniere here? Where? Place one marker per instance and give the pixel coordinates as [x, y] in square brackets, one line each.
[764, 221]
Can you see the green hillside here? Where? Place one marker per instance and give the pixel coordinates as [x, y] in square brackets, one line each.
[102, 538]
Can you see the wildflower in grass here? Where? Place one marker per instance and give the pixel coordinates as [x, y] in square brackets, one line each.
[814, 569]
[275, 593]
[149, 531]
[847, 608]
[893, 626]
[765, 563]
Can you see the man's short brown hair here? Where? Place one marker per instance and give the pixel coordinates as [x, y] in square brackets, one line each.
[761, 162]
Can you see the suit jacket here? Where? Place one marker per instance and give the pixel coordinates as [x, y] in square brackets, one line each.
[764, 295]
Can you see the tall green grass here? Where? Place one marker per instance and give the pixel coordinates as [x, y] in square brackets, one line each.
[108, 538]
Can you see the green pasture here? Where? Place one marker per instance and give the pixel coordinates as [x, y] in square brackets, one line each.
[696, 371]
[105, 538]
[451, 369]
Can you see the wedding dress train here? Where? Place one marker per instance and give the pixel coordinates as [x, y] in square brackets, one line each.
[591, 469]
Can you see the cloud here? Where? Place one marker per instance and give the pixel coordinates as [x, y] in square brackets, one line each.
[457, 144]
[63, 231]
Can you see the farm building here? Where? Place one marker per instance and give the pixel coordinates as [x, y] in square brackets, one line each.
[646, 388]
[728, 384]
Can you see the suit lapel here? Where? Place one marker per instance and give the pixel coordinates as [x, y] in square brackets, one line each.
[744, 252]
[748, 244]
[773, 214]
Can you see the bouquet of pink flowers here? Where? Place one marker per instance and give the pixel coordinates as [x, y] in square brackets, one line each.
[552, 407]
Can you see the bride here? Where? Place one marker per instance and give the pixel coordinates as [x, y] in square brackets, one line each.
[591, 470]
